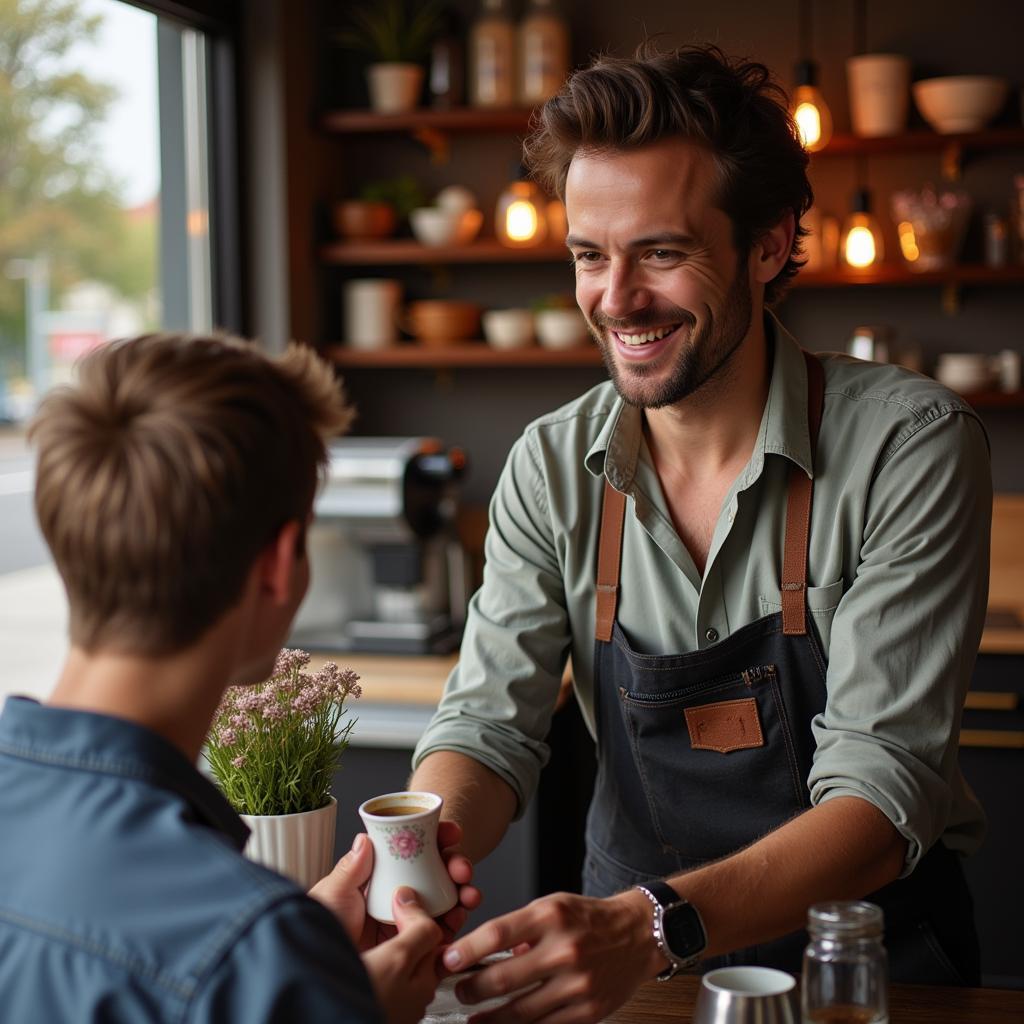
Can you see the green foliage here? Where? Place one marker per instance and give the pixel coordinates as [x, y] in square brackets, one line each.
[403, 193]
[56, 197]
[393, 30]
[560, 301]
[274, 747]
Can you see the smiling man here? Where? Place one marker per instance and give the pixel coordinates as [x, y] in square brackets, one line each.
[769, 569]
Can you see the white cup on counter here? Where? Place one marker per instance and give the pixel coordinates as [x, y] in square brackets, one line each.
[508, 328]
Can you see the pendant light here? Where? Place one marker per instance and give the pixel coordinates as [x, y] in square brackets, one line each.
[860, 244]
[810, 111]
[520, 216]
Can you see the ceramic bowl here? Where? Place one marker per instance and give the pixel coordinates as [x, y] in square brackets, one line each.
[470, 222]
[508, 328]
[440, 322]
[960, 103]
[560, 328]
[435, 226]
[455, 197]
[359, 220]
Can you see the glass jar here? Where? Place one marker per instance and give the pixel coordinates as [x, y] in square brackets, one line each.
[845, 972]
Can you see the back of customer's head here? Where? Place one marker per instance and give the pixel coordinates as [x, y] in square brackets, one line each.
[730, 107]
[163, 473]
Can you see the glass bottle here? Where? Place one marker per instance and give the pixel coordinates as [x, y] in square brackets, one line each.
[492, 45]
[845, 971]
[543, 52]
[446, 79]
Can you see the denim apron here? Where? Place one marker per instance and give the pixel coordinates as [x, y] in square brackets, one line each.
[701, 754]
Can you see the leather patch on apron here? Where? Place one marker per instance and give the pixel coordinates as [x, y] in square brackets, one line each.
[725, 726]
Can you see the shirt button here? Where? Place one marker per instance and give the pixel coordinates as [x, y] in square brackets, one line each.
[711, 635]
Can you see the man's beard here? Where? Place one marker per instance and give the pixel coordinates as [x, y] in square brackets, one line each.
[700, 358]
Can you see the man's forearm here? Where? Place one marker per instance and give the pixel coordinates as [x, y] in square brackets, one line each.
[842, 849]
[474, 796]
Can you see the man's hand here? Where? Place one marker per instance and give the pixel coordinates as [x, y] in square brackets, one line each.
[342, 891]
[584, 956]
[403, 969]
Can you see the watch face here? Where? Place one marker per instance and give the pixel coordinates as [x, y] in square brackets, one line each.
[683, 931]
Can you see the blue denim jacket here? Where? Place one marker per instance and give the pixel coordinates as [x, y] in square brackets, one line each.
[124, 896]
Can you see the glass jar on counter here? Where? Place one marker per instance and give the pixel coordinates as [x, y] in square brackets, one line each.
[846, 969]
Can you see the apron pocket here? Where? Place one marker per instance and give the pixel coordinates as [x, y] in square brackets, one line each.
[716, 761]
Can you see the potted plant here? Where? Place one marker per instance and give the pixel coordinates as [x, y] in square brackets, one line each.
[273, 749]
[396, 34]
[378, 208]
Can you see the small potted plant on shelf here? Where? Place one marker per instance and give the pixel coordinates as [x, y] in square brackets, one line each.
[380, 206]
[396, 34]
[558, 322]
[273, 749]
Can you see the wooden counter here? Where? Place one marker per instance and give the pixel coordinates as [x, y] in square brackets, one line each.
[395, 678]
[672, 1003]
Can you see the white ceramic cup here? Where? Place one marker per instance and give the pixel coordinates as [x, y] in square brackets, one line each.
[879, 88]
[560, 328]
[371, 312]
[403, 829]
[746, 995]
[508, 328]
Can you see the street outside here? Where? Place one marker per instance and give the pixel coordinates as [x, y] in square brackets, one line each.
[33, 612]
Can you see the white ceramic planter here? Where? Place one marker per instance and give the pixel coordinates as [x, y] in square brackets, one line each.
[299, 846]
[394, 87]
[405, 853]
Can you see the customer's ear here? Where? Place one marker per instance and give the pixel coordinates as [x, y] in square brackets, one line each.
[278, 561]
[773, 248]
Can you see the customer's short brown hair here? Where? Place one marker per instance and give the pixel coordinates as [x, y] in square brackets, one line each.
[165, 470]
[731, 107]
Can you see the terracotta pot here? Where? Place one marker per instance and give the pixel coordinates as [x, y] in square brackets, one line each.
[360, 220]
[442, 322]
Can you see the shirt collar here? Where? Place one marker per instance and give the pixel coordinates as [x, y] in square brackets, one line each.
[783, 431]
[113, 746]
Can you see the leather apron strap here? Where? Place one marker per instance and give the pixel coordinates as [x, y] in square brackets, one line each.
[798, 530]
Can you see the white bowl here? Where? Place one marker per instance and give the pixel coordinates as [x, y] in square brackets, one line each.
[508, 328]
[434, 226]
[560, 328]
[960, 103]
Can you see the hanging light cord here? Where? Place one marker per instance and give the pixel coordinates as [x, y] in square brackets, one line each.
[805, 29]
[860, 26]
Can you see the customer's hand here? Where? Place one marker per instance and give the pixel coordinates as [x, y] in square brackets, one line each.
[403, 969]
[342, 891]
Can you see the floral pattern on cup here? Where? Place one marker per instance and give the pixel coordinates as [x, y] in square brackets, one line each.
[406, 842]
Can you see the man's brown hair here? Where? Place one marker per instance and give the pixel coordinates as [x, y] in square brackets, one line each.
[731, 107]
[166, 469]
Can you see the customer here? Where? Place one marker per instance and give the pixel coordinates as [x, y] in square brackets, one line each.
[775, 685]
[174, 486]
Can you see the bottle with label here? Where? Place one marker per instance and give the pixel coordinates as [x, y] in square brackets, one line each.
[492, 46]
[543, 52]
[846, 969]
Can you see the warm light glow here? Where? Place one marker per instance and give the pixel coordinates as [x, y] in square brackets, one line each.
[860, 247]
[813, 118]
[521, 220]
[808, 121]
[908, 241]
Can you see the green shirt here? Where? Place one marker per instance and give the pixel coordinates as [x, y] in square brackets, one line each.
[897, 581]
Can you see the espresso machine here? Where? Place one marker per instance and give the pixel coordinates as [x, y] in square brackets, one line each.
[388, 571]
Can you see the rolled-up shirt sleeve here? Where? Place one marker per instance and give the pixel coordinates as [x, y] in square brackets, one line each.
[905, 634]
[499, 699]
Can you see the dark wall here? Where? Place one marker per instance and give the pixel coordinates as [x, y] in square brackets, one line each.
[484, 410]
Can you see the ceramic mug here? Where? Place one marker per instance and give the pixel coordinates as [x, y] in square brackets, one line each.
[403, 830]
[371, 307]
[879, 88]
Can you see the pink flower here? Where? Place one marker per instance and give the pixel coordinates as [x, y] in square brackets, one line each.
[406, 843]
[239, 762]
[228, 737]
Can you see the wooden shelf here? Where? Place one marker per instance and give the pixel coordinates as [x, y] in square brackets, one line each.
[461, 355]
[923, 142]
[392, 252]
[463, 120]
[896, 274]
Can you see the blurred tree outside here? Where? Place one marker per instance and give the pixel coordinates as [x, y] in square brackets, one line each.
[57, 197]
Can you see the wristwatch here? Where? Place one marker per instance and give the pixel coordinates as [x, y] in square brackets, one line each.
[678, 930]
